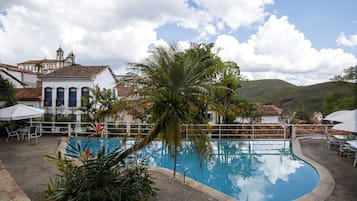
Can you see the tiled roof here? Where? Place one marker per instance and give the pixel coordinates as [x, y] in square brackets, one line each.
[125, 90]
[269, 110]
[39, 61]
[76, 71]
[15, 68]
[29, 94]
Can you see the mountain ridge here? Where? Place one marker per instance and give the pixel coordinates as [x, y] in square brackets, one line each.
[292, 98]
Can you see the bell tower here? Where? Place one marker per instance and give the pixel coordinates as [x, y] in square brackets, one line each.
[59, 55]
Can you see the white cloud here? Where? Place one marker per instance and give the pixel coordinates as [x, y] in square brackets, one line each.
[236, 13]
[94, 30]
[102, 32]
[347, 41]
[279, 50]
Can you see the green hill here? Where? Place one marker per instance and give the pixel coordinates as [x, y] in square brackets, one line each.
[292, 98]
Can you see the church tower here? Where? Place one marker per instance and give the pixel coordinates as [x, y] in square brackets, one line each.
[59, 56]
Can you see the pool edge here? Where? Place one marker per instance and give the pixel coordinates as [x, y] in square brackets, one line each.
[326, 185]
[215, 194]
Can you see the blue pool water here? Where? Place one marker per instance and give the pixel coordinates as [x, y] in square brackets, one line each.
[246, 170]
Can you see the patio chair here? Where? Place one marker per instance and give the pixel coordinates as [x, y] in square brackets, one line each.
[347, 150]
[11, 133]
[32, 133]
[332, 142]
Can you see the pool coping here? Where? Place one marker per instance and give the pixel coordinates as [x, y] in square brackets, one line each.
[215, 194]
[326, 185]
[321, 192]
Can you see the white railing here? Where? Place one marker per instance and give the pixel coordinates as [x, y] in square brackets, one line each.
[216, 131]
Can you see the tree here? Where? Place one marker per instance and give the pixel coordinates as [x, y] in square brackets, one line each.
[231, 79]
[39, 68]
[339, 101]
[176, 88]
[99, 104]
[7, 91]
[350, 74]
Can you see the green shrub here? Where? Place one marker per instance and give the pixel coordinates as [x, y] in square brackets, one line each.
[100, 178]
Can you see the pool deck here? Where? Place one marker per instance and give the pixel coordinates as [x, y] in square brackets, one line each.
[24, 161]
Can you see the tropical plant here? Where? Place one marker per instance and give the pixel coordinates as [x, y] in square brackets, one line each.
[8, 92]
[100, 177]
[97, 129]
[176, 88]
[99, 104]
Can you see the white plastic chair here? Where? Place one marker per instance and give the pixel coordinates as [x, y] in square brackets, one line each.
[332, 142]
[11, 133]
[32, 133]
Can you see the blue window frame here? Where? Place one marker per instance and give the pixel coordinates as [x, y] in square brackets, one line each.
[72, 101]
[85, 95]
[48, 97]
[60, 96]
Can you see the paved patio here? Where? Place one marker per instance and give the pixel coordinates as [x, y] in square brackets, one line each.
[24, 161]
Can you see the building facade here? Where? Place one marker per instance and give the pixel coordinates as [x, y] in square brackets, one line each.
[20, 78]
[45, 66]
[62, 89]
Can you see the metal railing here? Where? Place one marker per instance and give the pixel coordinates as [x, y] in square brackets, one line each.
[214, 131]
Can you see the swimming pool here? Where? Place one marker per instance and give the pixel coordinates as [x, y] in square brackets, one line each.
[246, 170]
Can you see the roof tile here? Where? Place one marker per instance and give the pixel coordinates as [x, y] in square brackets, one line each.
[76, 71]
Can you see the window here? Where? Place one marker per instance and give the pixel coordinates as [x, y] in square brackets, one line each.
[60, 96]
[48, 97]
[72, 101]
[85, 95]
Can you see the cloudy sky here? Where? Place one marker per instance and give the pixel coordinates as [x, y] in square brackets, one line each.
[303, 42]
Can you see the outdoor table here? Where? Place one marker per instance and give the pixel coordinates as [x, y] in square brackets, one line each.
[23, 131]
[353, 143]
[344, 137]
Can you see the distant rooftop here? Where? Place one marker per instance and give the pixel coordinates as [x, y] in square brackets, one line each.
[270, 110]
[14, 68]
[76, 71]
[39, 61]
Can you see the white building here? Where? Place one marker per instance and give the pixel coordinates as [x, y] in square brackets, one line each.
[270, 114]
[45, 66]
[20, 78]
[62, 89]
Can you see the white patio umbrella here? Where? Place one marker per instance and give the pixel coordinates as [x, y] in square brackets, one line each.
[350, 126]
[343, 116]
[20, 111]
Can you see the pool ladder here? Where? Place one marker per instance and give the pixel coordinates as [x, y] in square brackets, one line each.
[186, 171]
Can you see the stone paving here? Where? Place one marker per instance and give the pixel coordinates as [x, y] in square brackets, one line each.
[24, 161]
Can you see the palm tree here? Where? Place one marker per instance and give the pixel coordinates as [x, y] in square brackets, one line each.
[7, 91]
[177, 87]
[39, 67]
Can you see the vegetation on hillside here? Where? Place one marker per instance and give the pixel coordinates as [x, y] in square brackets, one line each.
[342, 101]
[301, 100]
